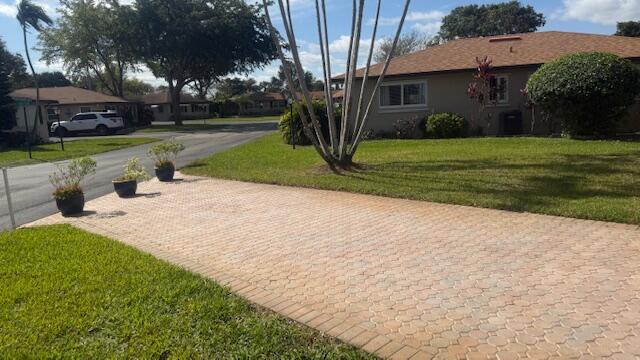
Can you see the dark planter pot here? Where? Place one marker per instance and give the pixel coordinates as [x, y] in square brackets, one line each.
[125, 189]
[71, 206]
[165, 173]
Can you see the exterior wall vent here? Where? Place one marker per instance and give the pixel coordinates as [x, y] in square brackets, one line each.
[509, 38]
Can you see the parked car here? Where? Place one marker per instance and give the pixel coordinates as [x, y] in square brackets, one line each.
[102, 123]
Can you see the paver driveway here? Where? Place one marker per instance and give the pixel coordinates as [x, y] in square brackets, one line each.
[399, 278]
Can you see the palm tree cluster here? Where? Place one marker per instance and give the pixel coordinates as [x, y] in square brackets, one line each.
[344, 139]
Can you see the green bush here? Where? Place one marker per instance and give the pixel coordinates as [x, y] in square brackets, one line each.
[446, 126]
[320, 110]
[587, 93]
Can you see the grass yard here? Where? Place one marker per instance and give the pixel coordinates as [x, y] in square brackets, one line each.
[246, 119]
[73, 149]
[204, 125]
[597, 180]
[68, 293]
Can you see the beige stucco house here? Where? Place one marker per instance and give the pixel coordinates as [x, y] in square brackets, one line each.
[62, 103]
[436, 79]
[190, 108]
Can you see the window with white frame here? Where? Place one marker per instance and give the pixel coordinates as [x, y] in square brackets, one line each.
[405, 94]
[499, 91]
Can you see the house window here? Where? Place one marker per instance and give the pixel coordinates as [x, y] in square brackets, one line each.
[499, 90]
[52, 114]
[184, 108]
[403, 94]
[198, 108]
[160, 108]
[84, 109]
[110, 108]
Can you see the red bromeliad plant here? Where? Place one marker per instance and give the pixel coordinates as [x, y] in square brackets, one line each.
[484, 88]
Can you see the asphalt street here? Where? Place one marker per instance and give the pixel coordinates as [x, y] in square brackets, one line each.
[31, 189]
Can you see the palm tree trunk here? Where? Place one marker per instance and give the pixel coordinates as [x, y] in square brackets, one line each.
[37, 117]
[385, 67]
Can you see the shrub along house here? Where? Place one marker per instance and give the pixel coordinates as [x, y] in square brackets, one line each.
[191, 108]
[64, 102]
[436, 80]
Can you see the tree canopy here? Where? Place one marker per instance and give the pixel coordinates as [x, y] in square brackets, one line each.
[628, 28]
[93, 37]
[492, 19]
[200, 38]
[7, 106]
[51, 79]
[15, 67]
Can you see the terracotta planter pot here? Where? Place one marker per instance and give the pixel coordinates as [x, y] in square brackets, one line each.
[165, 173]
[125, 189]
[71, 206]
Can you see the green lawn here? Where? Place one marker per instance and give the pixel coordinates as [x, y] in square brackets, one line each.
[583, 179]
[246, 119]
[66, 293]
[203, 125]
[72, 149]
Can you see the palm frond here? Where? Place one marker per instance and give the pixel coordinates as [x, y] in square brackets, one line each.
[32, 15]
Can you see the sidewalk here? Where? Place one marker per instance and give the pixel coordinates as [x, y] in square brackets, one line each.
[396, 277]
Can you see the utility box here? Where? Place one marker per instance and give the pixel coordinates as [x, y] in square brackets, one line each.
[511, 123]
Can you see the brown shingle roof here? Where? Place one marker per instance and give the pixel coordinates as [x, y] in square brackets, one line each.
[67, 95]
[507, 51]
[163, 97]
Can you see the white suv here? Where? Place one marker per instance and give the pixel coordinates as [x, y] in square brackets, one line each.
[102, 123]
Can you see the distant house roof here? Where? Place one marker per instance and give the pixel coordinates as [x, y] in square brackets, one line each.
[163, 97]
[506, 51]
[67, 95]
[275, 96]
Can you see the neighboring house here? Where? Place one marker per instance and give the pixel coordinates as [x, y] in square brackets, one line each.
[191, 108]
[436, 79]
[25, 117]
[273, 103]
[62, 103]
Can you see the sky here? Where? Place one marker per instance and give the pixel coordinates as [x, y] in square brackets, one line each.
[591, 16]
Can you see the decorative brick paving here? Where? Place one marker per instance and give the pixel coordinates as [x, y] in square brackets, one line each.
[402, 279]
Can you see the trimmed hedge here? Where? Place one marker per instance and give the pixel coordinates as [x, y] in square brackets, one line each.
[446, 126]
[587, 93]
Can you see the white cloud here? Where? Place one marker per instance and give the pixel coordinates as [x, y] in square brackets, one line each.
[8, 10]
[605, 12]
[430, 28]
[413, 16]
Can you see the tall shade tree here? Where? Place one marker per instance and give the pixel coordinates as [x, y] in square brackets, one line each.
[628, 28]
[15, 67]
[7, 106]
[338, 150]
[32, 16]
[219, 37]
[488, 20]
[93, 38]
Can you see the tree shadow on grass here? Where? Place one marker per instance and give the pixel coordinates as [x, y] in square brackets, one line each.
[509, 185]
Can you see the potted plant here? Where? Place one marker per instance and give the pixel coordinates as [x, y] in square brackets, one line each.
[164, 155]
[127, 184]
[66, 180]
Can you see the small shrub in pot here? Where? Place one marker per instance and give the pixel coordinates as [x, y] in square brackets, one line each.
[127, 184]
[446, 126]
[164, 155]
[66, 180]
